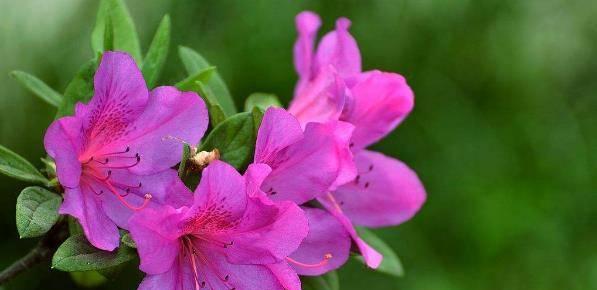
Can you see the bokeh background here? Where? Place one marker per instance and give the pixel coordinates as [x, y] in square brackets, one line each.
[503, 135]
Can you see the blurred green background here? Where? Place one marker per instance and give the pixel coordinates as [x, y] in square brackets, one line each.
[503, 135]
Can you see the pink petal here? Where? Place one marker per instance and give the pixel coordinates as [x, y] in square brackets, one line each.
[165, 188]
[307, 24]
[321, 99]
[101, 232]
[170, 116]
[278, 130]
[326, 236]
[285, 275]
[370, 255]
[267, 233]
[222, 186]
[380, 101]
[156, 233]
[247, 277]
[386, 192]
[339, 49]
[177, 277]
[309, 167]
[120, 95]
[62, 142]
[255, 174]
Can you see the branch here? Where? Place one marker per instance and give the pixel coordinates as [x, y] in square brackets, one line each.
[42, 252]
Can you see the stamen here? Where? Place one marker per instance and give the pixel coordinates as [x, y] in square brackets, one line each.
[119, 152]
[215, 272]
[138, 159]
[321, 263]
[124, 202]
[215, 242]
[100, 162]
[334, 202]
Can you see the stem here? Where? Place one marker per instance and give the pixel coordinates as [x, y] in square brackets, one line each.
[42, 252]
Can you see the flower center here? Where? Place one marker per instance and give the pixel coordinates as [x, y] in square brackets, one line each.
[97, 172]
[197, 258]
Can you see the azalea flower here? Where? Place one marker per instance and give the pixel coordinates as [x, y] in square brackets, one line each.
[112, 157]
[305, 164]
[385, 192]
[231, 237]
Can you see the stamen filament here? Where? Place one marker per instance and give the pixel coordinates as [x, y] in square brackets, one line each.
[321, 263]
[124, 202]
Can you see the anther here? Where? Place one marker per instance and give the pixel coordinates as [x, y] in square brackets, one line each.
[107, 176]
[366, 184]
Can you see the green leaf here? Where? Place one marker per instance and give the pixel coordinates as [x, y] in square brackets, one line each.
[15, 166]
[157, 53]
[38, 88]
[190, 83]
[194, 63]
[186, 154]
[37, 211]
[80, 89]
[76, 254]
[328, 281]
[261, 100]
[74, 228]
[88, 279]
[391, 263]
[128, 240]
[125, 36]
[216, 113]
[257, 114]
[235, 139]
[108, 34]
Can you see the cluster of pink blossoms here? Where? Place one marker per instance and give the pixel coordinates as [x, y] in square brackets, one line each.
[291, 213]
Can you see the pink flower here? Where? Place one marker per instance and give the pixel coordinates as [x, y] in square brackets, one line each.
[231, 237]
[304, 166]
[113, 157]
[385, 191]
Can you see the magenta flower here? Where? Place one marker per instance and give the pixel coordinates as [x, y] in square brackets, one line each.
[385, 191]
[231, 237]
[305, 165]
[113, 157]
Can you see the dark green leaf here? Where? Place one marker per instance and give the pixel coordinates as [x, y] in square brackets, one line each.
[74, 228]
[157, 53]
[15, 166]
[216, 113]
[186, 153]
[391, 263]
[80, 89]
[128, 240]
[234, 138]
[257, 114]
[194, 63]
[329, 281]
[190, 83]
[88, 279]
[108, 34]
[38, 88]
[37, 211]
[76, 254]
[125, 36]
[261, 100]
